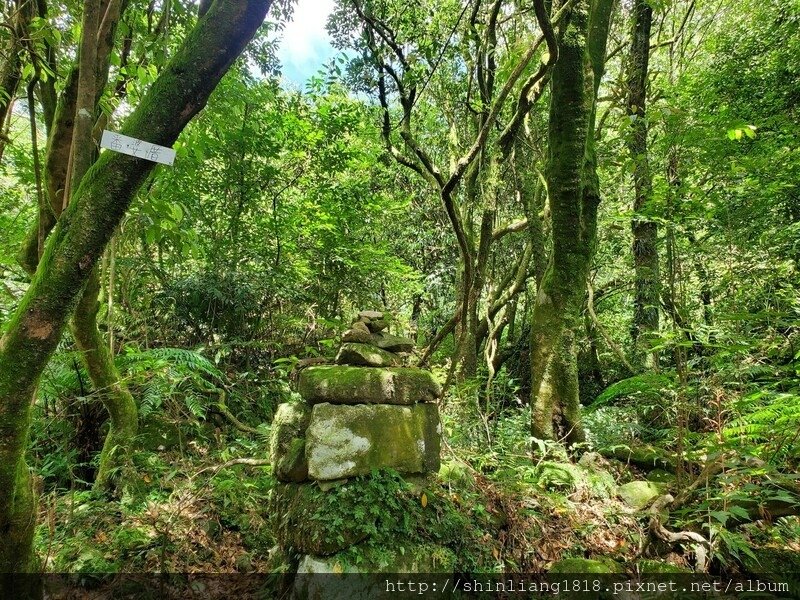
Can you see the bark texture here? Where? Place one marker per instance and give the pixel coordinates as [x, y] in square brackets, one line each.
[574, 196]
[79, 238]
[645, 231]
[123, 426]
[11, 68]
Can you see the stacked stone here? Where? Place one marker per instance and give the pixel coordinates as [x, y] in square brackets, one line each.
[365, 412]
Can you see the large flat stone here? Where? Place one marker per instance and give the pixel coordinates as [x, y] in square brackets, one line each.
[361, 385]
[287, 441]
[392, 343]
[364, 355]
[344, 441]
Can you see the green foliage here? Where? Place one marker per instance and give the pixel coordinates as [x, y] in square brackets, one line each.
[767, 425]
[647, 388]
[172, 379]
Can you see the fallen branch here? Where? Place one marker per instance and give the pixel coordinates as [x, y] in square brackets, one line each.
[223, 409]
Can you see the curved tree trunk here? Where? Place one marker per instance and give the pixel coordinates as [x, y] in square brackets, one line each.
[574, 195]
[116, 453]
[78, 241]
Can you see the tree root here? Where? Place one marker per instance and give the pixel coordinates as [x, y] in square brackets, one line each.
[697, 542]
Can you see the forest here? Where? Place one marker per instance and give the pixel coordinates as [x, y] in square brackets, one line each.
[504, 287]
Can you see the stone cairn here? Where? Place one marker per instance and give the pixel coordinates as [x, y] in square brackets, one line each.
[365, 412]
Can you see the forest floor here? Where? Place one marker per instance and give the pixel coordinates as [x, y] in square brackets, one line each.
[499, 510]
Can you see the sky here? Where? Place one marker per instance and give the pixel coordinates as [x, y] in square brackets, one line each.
[306, 46]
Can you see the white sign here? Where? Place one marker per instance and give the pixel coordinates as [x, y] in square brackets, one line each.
[138, 148]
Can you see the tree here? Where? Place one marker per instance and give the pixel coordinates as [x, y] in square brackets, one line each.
[647, 296]
[79, 238]
[496, 90]
[574, 191]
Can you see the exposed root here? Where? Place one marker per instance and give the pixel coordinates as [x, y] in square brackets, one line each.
[697, 542]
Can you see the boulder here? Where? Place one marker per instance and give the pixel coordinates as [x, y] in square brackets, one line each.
[422, 558]
[356, 385]
[639, 494]
[344, 441]
[370, 315]
[377, 325]
[366, 356]
[661, 476]
[287, 441]
[392, 343]
[358, 333]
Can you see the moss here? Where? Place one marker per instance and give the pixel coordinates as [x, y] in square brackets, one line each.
[585, 565]
[365, 355]
[310, 521]
[559, 476]
[287, 441]
[661, 476]
[568, 478]
[639, 494]
[361, 385]
[772, 560]
[377, 512]
[114, 466]
[16, 550]
[399, 557]
[656, 566]
[343, 441]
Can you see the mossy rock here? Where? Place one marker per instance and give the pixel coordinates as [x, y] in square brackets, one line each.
[416, 558]
[661, 476]
[364, 355]
[567, 477]
[423, 559]
[585, 565]
[392, 343]
[344, 441]
[454, 472]
[287, 441]
[304, 520]
[341, 384]
[601, 483]
[558, 476]
[359, 333]
[639, 494]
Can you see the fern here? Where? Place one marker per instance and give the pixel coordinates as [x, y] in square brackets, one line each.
[172, 379]
[648, 387]
[768, 424]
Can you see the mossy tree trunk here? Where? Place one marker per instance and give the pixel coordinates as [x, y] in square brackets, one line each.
[78, 241]
[647, 297]
[115, 456]
[71, 151]
[574, 196]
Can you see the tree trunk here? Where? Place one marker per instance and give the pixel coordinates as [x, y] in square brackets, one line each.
[645, 231]
[115, 456]
[574, 196]
[11, 69]
[79, 238]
